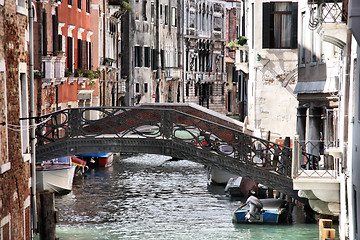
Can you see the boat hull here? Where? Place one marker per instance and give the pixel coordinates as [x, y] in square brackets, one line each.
[274, 211]
[58, 179]
[268, 216]
[220, 176]
[97, 159]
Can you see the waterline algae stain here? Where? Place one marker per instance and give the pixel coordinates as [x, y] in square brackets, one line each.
[148, 197]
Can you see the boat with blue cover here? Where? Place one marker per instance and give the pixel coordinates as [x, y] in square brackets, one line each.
[269, 210]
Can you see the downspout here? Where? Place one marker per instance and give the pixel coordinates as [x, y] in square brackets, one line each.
[32, 115]
[158, 70]
[104, 52]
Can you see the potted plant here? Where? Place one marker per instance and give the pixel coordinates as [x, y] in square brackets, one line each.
[242, 40]
[232, 45]
[60, 53]
[79, 72]
[69, 73]
[37, 74]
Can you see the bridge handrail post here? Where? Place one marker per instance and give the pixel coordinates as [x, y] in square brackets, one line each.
[167, 123]
[296, 155]
[75, 122]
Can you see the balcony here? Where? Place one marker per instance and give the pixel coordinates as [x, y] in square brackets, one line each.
[242, 58]
[317, 176]
[53, 68]
[172, 73]
[330, 17]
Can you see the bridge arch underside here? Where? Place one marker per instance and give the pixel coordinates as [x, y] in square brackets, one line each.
[170, 148]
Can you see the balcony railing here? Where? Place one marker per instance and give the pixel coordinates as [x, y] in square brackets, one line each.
[172, 73]
[327, 11]
[312, 160]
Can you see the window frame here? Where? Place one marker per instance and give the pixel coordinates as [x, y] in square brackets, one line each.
[268, 16]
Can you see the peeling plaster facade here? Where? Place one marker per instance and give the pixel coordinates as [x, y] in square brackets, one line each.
[152, 52]
[272, 69]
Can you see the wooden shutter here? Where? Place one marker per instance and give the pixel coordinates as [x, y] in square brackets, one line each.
[294, 20]
[266, 25]
[84, 55]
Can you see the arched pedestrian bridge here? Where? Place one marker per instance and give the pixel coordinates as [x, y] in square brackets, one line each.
[168, 132]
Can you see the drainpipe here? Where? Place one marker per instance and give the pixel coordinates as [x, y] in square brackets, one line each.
[32, 115]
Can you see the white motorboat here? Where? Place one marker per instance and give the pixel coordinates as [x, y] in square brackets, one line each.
[219, 176]
[55, 175]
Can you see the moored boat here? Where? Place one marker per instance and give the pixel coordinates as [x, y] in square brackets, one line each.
[55, 175]
[97, 159]
[269, 210]
[80, 166]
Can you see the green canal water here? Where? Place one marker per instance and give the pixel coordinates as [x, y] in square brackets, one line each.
[148, 197]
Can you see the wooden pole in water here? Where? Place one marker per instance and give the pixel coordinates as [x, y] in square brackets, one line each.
[47, 215]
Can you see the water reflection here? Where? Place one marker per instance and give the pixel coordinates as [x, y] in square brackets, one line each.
[147, 196]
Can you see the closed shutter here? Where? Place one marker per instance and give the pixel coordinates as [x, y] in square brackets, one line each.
[266, 25]
[294, 20]
[84, 55]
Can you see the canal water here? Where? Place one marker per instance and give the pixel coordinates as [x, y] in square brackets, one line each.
[148, 197]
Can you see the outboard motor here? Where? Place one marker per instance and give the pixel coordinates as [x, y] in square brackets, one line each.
[255, 208]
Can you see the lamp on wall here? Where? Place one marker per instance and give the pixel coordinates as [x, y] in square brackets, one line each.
[258, 57]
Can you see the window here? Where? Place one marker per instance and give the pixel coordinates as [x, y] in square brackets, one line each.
[25, 144]
[137, 10]
[44, 35]
[79, 4]
[302, 40]
[145, 87]
[187, 89]
[137, 87]
[280, 25]
[154, 60]
[138, 56]
[162, 56]
[69, 54]
[166, 14]
[146, 57]
[80, 55]
[88, 5]
[173, 17]
[89, 55]
[161, 14]
[70, 2]
[21, 3]
[144, 10]
[152, 11]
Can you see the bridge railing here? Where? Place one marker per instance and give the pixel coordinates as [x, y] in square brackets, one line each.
[157, 123]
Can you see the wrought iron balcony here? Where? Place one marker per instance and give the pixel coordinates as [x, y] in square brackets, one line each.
[327, 11]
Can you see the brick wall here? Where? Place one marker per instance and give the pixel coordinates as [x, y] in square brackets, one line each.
[14, 173]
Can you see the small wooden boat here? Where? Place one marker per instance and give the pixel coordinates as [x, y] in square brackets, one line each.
[97, 159]
[55, 175]
[269, 210]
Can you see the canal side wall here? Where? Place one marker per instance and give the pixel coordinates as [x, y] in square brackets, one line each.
[15, 174]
